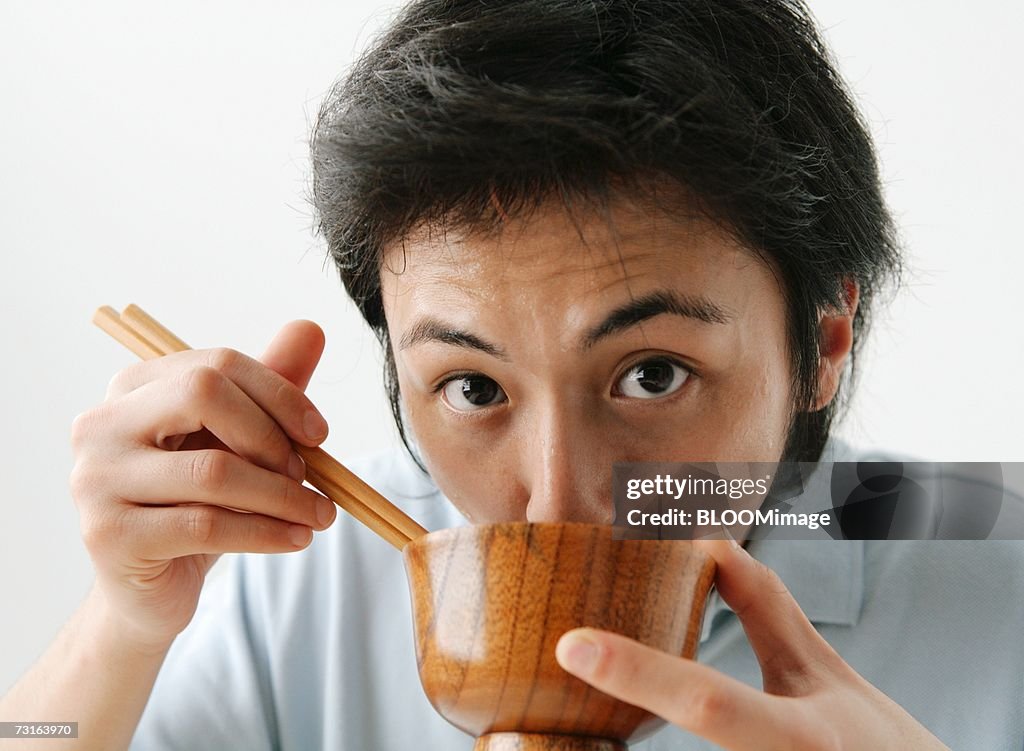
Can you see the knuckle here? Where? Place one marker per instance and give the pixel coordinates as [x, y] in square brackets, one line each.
[121, 382]
[86, 427]
[264, 532]
[102, 530]
[288, 495]
[299, 498]
[772, 580]
[82, 428]
[276, 441]
[202, 383]
[766, 587]
[288, 396]
[82, 481]
[288, 407]
[202, 524]
[224, 359]
[210, 469]
[708, 708]
[115, 385]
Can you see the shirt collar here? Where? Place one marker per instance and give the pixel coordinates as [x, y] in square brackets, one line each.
[825, 576]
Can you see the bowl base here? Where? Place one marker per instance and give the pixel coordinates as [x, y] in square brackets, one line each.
[542, 742]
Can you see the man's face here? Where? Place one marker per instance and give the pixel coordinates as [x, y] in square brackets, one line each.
[532, 360]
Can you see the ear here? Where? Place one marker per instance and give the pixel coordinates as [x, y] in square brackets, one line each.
[835, 342]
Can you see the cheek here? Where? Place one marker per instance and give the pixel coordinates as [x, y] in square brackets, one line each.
[754, 397]
[754, 417]
[471, 472]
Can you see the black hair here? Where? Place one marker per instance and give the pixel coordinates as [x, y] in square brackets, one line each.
[462, 104]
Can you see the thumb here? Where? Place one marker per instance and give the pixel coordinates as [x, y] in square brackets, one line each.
[295, 352]
[782, 637]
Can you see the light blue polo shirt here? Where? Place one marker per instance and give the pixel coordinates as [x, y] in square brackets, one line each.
[313, 650]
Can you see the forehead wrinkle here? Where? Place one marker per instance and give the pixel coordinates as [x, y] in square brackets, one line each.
[556, 225]
[625, 280]
[563, 248]
[566, 258]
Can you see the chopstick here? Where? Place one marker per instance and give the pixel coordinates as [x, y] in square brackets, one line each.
[147, 338]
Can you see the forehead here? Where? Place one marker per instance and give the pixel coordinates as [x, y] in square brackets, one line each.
[580, 250]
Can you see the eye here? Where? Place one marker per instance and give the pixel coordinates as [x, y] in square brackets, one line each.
[472, 392]
[652, 378]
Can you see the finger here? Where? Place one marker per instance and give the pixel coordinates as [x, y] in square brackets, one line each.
[782, 637]
[164, 533]
[693, 696]
[198, 398]
[140, 373]
[222, 479]
[295, 352]
[276, 395]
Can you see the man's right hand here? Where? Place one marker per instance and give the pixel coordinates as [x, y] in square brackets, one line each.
[189, 457]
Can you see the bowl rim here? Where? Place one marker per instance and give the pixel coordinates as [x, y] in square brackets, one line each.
[440, 536]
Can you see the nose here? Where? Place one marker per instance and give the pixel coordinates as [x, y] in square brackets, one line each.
[567, 473]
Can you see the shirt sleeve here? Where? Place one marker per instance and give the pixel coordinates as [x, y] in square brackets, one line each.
[213, 691]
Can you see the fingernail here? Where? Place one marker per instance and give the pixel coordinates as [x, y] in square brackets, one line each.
[315, 426]
[732, 540]
[739, 550]
[577, 654]
[296, 468]
[300, 534]
[325, 512]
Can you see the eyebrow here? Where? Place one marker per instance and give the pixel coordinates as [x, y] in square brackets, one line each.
[696, 307]
[433, 330]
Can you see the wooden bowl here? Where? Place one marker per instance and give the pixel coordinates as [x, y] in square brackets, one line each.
[491, 601]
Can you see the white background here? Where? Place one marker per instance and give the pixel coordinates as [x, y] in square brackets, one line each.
[158, 156]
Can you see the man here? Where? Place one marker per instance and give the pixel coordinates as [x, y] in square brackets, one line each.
[584, 232]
